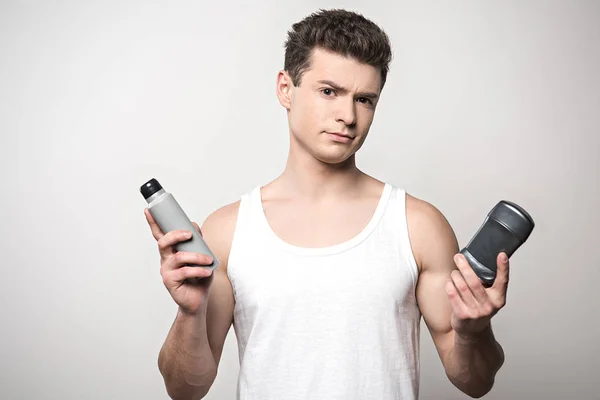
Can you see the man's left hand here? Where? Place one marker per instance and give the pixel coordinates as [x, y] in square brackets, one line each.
[474, 305]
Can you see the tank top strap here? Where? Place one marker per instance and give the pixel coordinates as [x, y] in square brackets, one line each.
[395, 223]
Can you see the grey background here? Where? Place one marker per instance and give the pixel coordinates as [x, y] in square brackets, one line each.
[485, 101]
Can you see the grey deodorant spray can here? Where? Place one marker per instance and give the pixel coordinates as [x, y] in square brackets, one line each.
[170, 216]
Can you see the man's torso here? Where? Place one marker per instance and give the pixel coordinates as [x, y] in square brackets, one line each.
[325, 298]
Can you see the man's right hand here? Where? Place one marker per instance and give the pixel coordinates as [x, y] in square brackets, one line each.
[189, 286]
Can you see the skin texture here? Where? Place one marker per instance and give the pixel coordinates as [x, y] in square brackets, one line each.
[320, 199]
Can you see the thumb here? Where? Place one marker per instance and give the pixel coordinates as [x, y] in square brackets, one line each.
[499, 288]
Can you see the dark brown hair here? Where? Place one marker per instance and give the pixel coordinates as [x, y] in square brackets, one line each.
[344, 32]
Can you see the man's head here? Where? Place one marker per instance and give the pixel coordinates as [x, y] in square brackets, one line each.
[336, 64]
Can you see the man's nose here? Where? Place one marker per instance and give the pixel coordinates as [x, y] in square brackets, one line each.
[346, 111]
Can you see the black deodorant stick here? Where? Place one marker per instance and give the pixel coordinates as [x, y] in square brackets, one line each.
[506, 227]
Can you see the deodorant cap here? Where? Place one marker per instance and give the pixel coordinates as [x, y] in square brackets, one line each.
[150, 187]
[513, 218]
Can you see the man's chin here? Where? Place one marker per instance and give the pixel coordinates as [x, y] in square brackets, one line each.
[335, 158]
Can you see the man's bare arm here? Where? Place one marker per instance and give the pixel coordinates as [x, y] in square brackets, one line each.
[190, 356]
[460, 329]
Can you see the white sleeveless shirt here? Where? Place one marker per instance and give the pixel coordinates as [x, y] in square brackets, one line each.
[329, 323]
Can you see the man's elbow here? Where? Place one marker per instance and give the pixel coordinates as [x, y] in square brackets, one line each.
[198, 395]
[480, 392]
[179, 388]
[186, 393]
[474, 391]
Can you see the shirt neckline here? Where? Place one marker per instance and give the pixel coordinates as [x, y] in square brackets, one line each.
[326, 250]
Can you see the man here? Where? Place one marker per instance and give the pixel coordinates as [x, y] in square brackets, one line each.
[326, 271]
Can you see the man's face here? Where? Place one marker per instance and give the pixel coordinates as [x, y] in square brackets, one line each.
[330, 113]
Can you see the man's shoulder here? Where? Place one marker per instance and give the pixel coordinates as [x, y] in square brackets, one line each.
[218, 230]
[223, 214]
[429, 230]
[422, 212]
[222, 219]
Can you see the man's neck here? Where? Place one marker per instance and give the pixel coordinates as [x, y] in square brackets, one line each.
[305, 176]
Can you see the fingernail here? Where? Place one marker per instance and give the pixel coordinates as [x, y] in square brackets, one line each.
[503, 258]
[188, 234]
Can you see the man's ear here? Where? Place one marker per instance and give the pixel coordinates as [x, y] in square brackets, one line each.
[285, 89]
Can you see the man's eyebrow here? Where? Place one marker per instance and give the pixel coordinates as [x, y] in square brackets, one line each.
[368, 95]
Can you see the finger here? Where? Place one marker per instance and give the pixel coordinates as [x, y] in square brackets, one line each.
[166, 242]
[197, 228]
[458, 306]
[471, 279]
[183, 258]
[183, 273]
[156, 231]
[502, 271]
[463, 289]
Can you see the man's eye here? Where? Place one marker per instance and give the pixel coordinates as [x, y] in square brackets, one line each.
[327, 92]
[364, 100]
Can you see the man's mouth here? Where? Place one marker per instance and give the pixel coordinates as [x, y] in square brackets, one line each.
[340, 137]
